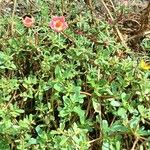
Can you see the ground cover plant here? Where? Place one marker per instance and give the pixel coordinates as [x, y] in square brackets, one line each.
[74, 75]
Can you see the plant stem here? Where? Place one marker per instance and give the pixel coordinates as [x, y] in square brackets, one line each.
[69, 37]
[115, 27]
[62, 7]
[13, 14]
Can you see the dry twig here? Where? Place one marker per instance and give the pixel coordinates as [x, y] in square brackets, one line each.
[115, 27]
[13, 14]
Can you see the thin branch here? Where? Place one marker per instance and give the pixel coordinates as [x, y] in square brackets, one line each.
[62, 7]
[14, 96]
[115, 27]
[138, 35]
[112, 4]
[98, 139]
[85, 93]
[134, 144]
[88, 107]
[69, 37]
[13, 14]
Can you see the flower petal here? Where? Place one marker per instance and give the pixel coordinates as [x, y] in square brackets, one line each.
[58, 23]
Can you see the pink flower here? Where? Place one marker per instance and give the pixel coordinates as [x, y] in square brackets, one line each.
[28, 21]
[58, 23]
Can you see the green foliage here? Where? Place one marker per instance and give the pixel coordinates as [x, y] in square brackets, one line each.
[60, 94]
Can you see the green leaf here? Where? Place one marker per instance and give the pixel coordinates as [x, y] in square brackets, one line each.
[80, 112]
[4, 145]
[122, 112]
[117, 127]
[97, 106]
[115, 103]
[32, 141]
[106, 146]
[105, 126]
[58, 87]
